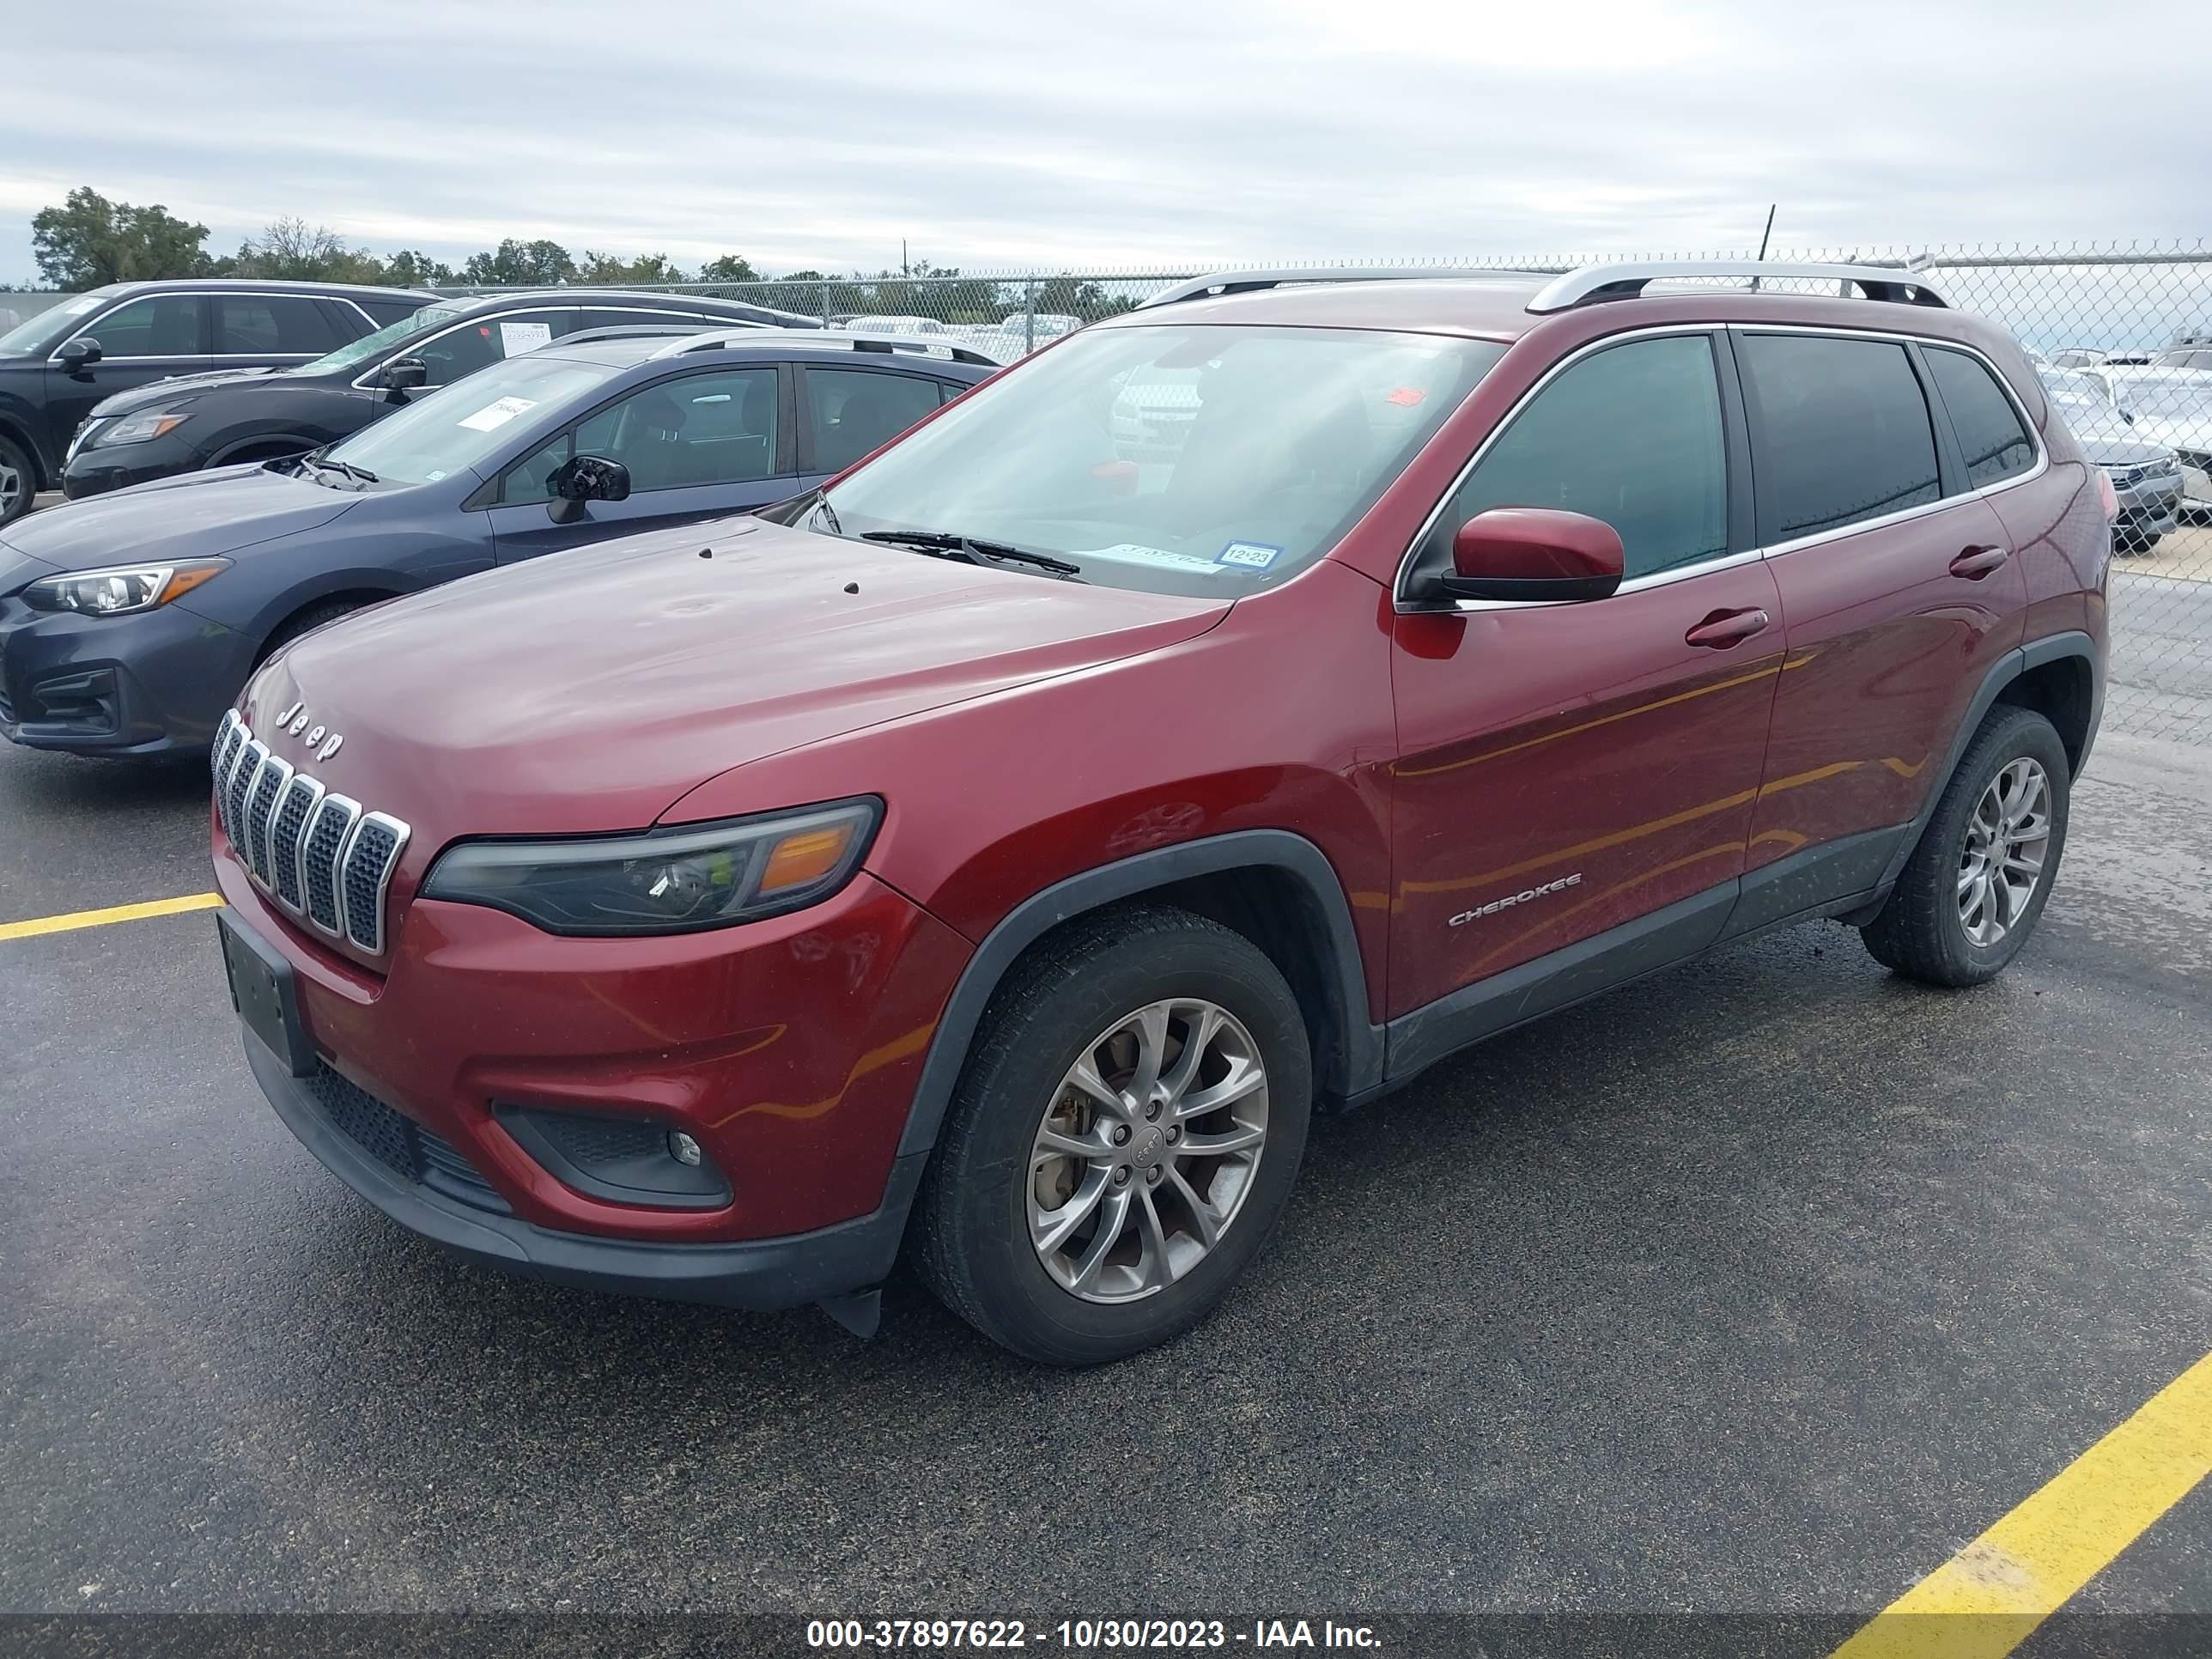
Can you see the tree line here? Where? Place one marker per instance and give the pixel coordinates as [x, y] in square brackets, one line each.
[89, 241]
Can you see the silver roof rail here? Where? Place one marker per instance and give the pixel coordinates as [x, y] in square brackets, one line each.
[1595, 284]
[753, 334]
[1252, 281]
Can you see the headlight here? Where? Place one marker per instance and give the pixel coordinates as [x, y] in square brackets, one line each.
[146, 424]
[122, 588]
[666, 881]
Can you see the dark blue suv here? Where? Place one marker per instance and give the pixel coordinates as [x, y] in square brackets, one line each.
[128, 621]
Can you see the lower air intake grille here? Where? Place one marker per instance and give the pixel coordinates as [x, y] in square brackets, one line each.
[401, 1144]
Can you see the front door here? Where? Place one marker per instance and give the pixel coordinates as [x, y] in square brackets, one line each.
[144, 339]
[1572, 771]
[699, 446]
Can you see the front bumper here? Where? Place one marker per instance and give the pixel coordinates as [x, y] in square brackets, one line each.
[789, 1049]
[764, 1273]
[152, 683]
[96, 470]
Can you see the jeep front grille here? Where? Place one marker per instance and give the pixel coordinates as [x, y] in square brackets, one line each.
[320, 856]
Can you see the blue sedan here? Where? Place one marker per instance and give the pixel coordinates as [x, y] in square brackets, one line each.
[129, 622]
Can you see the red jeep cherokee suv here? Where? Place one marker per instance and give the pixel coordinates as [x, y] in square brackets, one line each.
[999, 852]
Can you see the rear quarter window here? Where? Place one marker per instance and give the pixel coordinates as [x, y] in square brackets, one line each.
[1840, 429]
[1992, 439]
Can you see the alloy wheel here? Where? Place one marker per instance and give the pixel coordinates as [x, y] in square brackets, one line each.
[2007, 840]
[11, 487]
[1147, 1150]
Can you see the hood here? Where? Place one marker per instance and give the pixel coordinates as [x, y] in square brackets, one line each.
[157, 391]
[590, 691]
[190, 516]
[2114, 443]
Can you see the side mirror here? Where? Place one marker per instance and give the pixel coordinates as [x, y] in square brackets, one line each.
[1534, 553]
[405, 375]
[78, 354]
[583, 478]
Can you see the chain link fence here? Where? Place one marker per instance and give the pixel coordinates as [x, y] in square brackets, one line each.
[2123, 335]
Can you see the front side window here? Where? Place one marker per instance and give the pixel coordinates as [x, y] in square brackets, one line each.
[1278, 441]
[855, 410]
[460, 352]
[716, 428]
[1631, 435]
[435, 437]
[159, 326]
[1841, 431]
[1994, 444]
[269, 326]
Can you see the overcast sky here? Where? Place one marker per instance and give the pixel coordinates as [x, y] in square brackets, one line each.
[998, 134]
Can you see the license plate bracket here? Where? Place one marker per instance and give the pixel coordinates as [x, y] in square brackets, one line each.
[265, 994]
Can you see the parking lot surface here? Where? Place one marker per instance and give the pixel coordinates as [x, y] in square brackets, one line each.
[1759, 1287]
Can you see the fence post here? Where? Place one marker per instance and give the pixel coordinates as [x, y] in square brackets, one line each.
[825, 303]
[1029, 315]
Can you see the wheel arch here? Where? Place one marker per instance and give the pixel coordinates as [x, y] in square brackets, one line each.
[2057, 672]
[275, 443]
[349, 592]
[1276, 888]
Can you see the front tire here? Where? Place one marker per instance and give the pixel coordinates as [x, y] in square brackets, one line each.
[1976, 883]
[19, 480]
[1124, 1137]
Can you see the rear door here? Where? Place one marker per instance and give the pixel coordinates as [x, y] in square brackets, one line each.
[149, 336]
[698, 446]
[1900, 590]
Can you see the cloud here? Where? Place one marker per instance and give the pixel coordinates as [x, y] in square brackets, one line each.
[1005, 135]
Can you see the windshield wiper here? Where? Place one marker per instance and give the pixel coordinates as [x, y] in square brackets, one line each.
[347, 467]
[967, 547]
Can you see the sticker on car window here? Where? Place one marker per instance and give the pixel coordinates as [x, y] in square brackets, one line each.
[515, 338]
[1136, 553]
[493, 416]
[1254, 556]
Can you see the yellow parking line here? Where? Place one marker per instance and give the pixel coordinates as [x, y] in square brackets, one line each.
[168, 907]
[1982, 1603]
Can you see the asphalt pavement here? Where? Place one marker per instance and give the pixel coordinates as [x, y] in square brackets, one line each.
[1759, 1287]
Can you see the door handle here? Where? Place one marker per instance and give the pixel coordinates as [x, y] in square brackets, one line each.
[1976, 563]
[1726, 627]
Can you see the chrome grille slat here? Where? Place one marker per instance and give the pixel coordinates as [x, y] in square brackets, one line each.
[287, 830]
[320, 856]
[328, 829]
[269, 786]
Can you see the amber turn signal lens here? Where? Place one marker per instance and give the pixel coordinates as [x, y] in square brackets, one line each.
[806, 856]
[186, 579]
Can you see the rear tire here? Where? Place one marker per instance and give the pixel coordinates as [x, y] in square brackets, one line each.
[1976, 883]
[1034, 1167]
[19, 480]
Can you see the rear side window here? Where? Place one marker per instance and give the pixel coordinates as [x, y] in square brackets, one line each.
[271, 325]
[1841, 431]
[1990, 436]
[855, 410]
[381, 311]
[1633, 436]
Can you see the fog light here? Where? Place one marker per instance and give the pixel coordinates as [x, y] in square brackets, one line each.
[683, 1148]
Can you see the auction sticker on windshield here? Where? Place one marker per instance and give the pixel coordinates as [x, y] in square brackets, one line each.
[515, 338]
[1136, 553]
[1256, 556]
[494, 414]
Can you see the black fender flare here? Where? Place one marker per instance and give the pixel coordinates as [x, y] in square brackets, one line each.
[1131, 877]
[2053, 648]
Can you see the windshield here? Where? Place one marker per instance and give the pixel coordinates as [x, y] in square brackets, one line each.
[34, 336]
[1180, 459]
[371, 345]
[436, 436]
[2076, 394]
